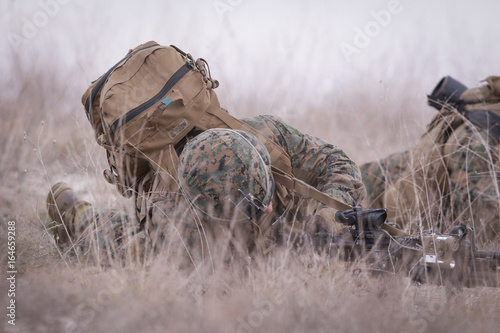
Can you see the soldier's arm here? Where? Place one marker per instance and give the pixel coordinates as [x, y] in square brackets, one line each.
[319, 163]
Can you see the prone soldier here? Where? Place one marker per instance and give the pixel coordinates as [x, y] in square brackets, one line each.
[451, 175]
[227, 185]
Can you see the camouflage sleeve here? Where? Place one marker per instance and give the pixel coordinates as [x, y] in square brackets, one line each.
[318, 163]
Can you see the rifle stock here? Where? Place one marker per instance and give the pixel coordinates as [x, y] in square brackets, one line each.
[431, 257]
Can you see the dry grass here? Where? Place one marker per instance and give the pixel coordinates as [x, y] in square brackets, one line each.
[43, 144]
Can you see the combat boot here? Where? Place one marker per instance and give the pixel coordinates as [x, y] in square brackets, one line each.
[65, 210]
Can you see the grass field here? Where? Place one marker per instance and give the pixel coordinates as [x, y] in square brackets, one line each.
[369, 112]
[281, 293]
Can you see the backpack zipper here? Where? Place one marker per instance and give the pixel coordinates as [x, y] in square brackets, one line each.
[146, 105]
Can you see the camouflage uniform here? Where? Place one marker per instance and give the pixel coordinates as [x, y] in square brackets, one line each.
[166, 214]
[449, 177]
[313, 160]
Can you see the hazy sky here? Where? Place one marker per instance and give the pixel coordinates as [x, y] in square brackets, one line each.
[304, 47]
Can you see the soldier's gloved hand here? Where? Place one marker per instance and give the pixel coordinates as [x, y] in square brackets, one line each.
[324, 220]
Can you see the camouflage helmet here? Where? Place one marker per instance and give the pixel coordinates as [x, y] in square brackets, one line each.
[226, 174]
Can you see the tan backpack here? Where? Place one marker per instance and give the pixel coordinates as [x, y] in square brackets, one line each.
[149, 101]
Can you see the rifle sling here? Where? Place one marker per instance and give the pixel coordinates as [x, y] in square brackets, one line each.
[306, 190]
[394, 231]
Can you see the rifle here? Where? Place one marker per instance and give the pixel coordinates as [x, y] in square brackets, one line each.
[431, 258]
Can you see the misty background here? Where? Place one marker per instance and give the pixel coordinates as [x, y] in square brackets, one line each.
[258, 46]
[355, 73]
